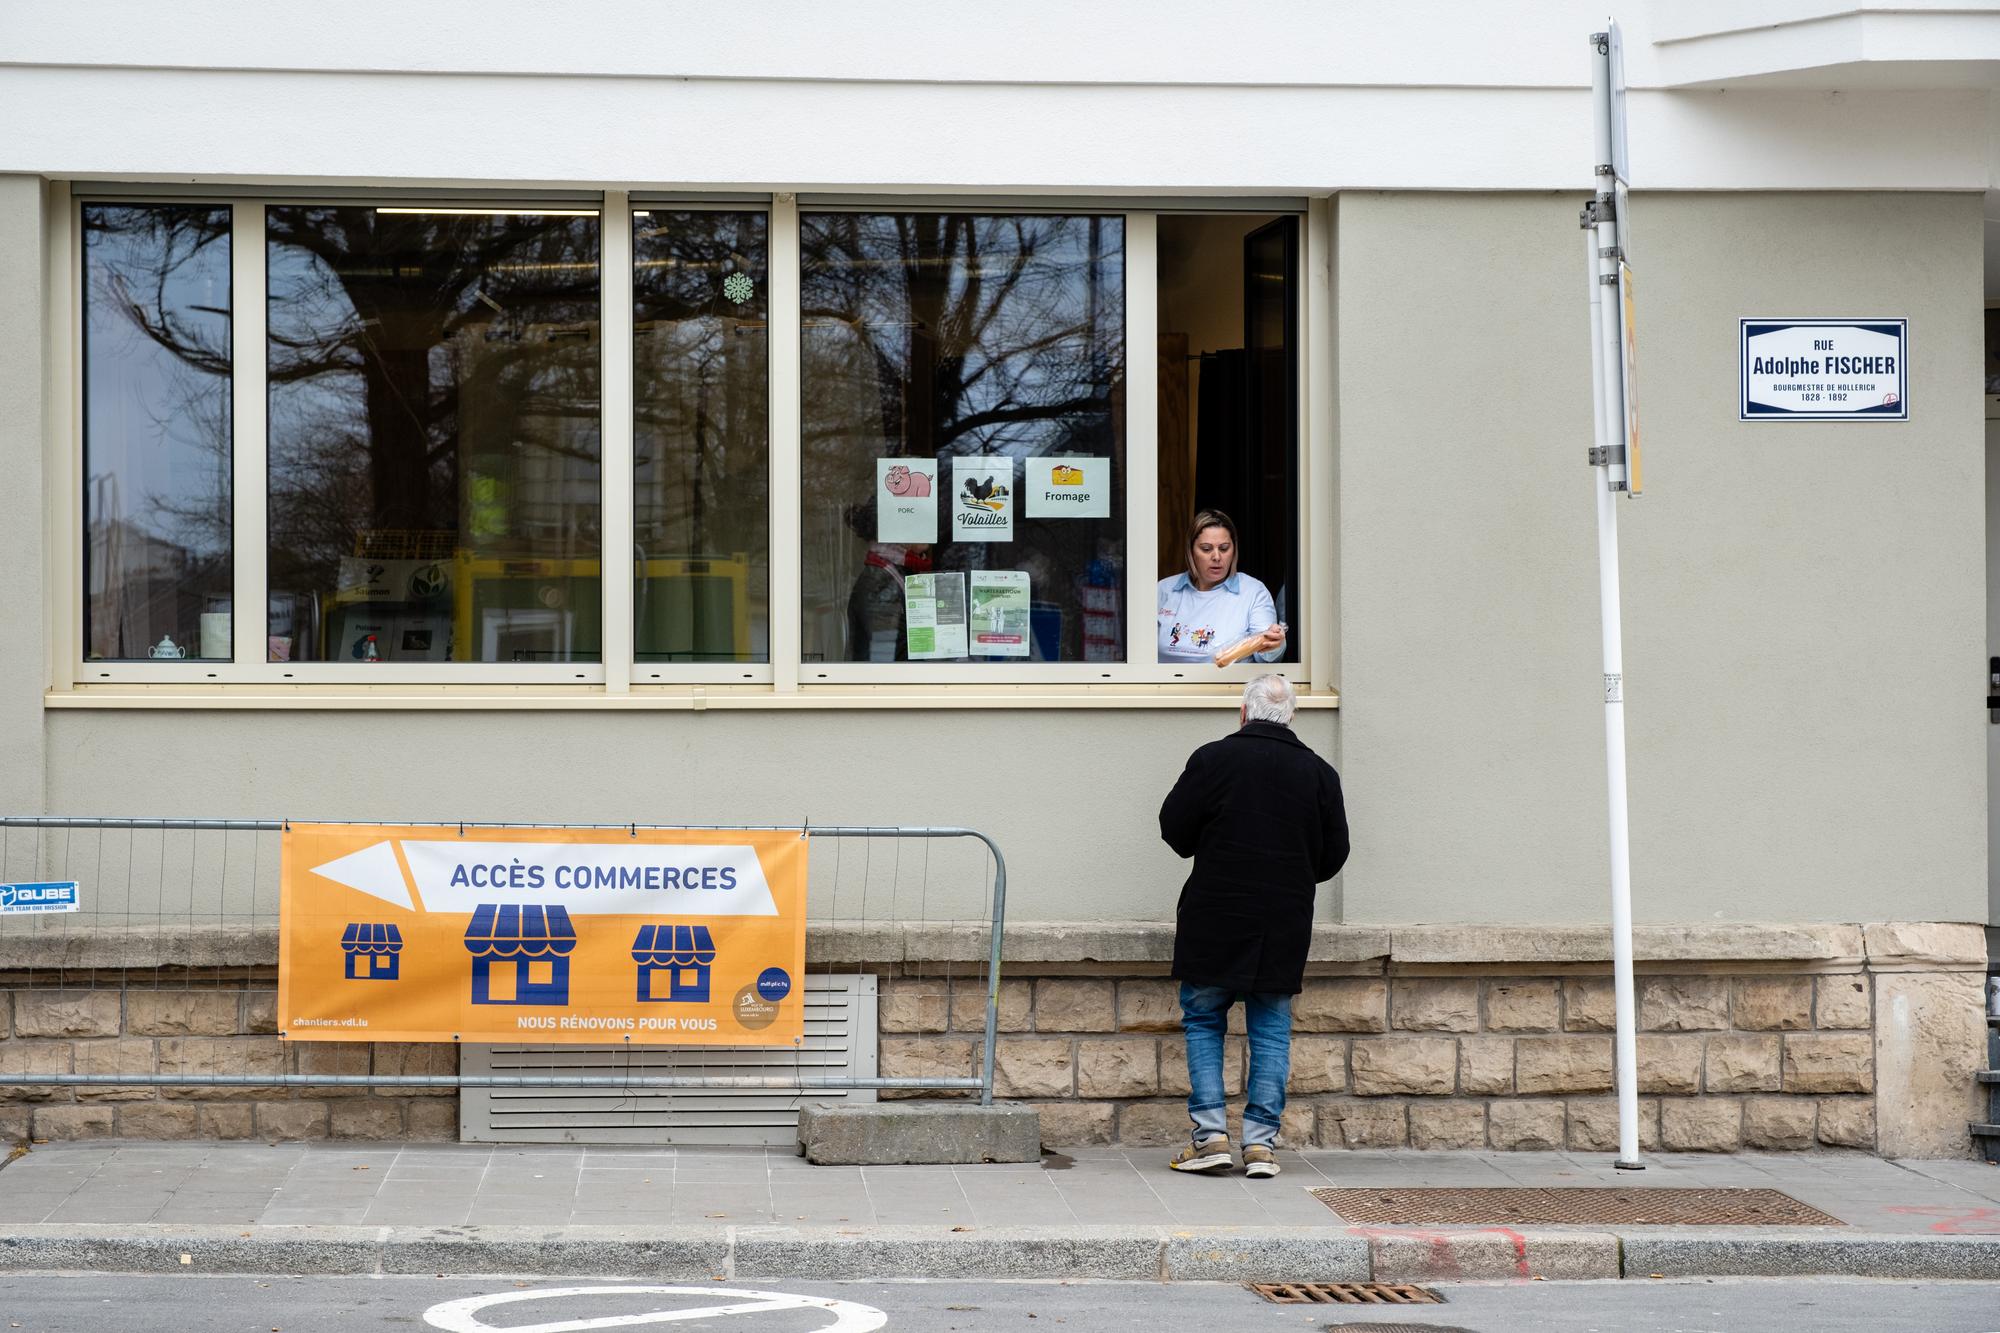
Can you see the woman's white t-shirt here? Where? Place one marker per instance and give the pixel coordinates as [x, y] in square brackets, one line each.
[1195, 625]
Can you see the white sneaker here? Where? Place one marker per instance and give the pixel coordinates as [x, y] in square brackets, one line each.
[1259, 1161]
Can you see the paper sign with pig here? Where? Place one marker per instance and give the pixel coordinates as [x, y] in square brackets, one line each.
[906, 500]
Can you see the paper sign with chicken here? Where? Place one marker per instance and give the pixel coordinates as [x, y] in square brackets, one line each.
[982, 499]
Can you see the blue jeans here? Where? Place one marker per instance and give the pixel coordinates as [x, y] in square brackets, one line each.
[1205, 1019]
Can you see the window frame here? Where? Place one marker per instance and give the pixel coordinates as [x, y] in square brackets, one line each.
[1021, 673]
[617, 673]
[72, 499]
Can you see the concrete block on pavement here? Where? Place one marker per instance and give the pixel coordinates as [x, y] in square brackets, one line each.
[910, 1133]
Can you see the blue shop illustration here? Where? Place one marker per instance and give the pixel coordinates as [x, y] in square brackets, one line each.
[520, 954]
[686, 954]
[374, 950]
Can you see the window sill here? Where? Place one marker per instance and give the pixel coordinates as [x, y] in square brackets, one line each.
[543, 698]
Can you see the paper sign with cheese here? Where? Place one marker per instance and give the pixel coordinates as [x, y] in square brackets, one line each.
[1067, 487]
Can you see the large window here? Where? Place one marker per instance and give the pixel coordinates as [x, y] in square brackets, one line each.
[647, 443]
[962, 441]
[434, 435]
[156, 432]
[701, 465]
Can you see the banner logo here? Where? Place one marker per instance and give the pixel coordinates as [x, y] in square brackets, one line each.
[50, 896]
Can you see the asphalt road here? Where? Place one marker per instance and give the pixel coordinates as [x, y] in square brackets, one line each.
[194, 1303]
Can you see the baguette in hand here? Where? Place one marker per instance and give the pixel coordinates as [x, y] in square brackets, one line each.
[1243, 647]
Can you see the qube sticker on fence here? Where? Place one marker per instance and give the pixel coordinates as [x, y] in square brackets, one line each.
[53, 896]
[669, 936]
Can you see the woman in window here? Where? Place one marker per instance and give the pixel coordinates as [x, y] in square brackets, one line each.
[1213, 606]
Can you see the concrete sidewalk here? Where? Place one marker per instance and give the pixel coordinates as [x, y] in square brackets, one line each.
[1092, 1213]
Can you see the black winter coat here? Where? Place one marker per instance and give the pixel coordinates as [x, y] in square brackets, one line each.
[1261, 815]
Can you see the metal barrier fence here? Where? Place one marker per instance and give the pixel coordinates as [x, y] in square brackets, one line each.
[193, 904]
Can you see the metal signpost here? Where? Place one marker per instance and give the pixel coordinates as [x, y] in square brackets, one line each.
[1615, 468]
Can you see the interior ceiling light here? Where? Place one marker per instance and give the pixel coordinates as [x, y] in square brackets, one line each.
[498, 212]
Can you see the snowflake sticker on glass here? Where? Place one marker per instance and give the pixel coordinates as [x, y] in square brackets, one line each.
[738, 287]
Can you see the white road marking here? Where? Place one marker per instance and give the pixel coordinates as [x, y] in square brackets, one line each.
[462, 1315]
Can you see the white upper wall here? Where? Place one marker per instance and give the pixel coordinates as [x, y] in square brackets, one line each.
[1120, 95]
[1826, 44]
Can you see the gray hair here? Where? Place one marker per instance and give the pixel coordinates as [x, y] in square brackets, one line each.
[1269, 699]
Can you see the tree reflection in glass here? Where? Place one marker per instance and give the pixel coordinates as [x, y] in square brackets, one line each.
[156, 431]
[434, 436]
[959, 336]
[701, 437]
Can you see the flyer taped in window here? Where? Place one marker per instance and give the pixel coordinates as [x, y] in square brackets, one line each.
[999, 613]
[934, 615]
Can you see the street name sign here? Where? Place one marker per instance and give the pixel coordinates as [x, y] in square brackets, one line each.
[1823, 370]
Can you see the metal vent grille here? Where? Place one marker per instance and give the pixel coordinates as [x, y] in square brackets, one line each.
[840, 1041]
[1583, 1205]
[1345, 1293]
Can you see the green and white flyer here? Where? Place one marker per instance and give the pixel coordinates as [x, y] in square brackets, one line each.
[934, 615]
[999, 613]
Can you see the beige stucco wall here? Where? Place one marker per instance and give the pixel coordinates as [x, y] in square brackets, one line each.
[1804, 603]
[23, 365]
[1072, 797]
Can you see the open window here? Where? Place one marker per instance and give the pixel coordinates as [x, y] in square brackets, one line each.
[1229, 401]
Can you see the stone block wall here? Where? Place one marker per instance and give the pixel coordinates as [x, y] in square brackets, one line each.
[1783, 1038]
[1791, 1037]
[1515, 1062]
[122, 1026]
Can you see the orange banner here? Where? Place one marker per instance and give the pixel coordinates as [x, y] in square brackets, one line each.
[667, 937]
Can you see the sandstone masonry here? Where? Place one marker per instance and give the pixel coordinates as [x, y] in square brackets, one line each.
[193, 1026]
[1500, 1039]
[1751, 1037]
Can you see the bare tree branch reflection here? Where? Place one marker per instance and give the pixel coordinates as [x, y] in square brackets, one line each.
[956, 334]
[156, 425]
[701, 430]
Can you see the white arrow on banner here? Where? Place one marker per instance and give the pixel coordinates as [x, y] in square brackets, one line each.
[605, 879]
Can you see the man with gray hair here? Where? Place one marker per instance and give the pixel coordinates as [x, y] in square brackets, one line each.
[1261, 815]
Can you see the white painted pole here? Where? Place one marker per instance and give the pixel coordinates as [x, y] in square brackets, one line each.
[1608, 399]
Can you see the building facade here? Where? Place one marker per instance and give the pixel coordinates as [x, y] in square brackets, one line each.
[420, 415]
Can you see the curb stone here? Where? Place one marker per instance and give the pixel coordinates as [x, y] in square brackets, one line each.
[1435, 1255]
[1111, 1253]
[1794, 1254]
[1114, 1253]
[1262, 1254]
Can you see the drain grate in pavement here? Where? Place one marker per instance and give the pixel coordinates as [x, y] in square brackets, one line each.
[1585, 1205]
[1344, 1293]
